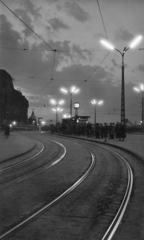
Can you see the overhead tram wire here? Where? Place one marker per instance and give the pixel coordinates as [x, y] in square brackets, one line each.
[27, 26]
[94, 70]
[60, 51]
[52, 75]
[26, 49]
[53, 64]
[102, 19]
[84, 81]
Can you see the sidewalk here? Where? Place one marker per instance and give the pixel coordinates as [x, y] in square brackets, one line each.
[16, 144]
[133, 142]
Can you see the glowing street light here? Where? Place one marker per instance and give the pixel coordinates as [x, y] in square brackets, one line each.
[141, 89]
[57, 109]
[66, 116]
[96, 102]
[72, 91]
[111, 47]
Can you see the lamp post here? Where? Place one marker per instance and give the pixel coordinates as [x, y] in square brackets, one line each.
[141, 89]
[96, 102]
[72, 90]
[111, 47]
[57, 109]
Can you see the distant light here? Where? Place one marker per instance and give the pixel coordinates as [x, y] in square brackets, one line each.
[100, 102]
[61, 102]
[54, 109]
[14, 123]
[64, 90]
[142, 87]
[43, 122]
[136, 89]
[72, 89]
[77, 90]
[76, 105]
[53, 101]
[107, 44]
[93, 101]
[135, 41]
[66, 116]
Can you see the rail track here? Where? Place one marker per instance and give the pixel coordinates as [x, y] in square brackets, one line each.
[41, 169]
[121, 207]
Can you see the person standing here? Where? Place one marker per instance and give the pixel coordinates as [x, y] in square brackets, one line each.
[7, 130]
[105, 132]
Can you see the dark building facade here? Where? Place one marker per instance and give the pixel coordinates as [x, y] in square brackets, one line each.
[13, 105]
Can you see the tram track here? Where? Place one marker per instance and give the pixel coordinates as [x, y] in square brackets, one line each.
[9, 166]
[48, 205]
[34, 173]
[117, 218]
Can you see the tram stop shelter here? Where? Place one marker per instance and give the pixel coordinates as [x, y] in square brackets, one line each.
[76, 119]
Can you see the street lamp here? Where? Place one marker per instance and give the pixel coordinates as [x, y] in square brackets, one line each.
[141, 89]
[57, 109]
[96, 102]
[111, 47]
[72, 90]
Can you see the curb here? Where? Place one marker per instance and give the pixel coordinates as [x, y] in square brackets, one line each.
[19, 155]
[140, 158]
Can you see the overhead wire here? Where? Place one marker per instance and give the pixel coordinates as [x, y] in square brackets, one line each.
[94, 70]
[60, 51]
[102, 19]
[51, 77]
[27, 26]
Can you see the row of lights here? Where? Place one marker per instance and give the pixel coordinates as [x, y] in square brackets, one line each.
[74, 90]
[71, 91]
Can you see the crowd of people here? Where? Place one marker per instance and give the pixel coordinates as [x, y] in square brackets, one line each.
[104, 131]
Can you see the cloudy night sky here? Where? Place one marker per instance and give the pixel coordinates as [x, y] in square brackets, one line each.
[74, 29]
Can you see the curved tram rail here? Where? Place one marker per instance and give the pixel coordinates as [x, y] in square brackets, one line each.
[76, 184]
[23, 161]
[117, 220]
[120, 213]
[20, 179]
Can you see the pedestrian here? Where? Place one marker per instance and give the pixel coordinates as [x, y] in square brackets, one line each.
[7, 130]
[122, 132]
[105, 132]
[112, 132]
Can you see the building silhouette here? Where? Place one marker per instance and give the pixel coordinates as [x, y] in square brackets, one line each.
[32, 119]
[13, 105]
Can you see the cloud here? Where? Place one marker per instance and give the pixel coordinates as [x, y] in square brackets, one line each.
[141, 67]
[26, 19]
[114, 63]
[8, 36]
[76, 11]
[30, 96]
[57, 24]
[28, 13]
[124, 35]
[30, 8]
